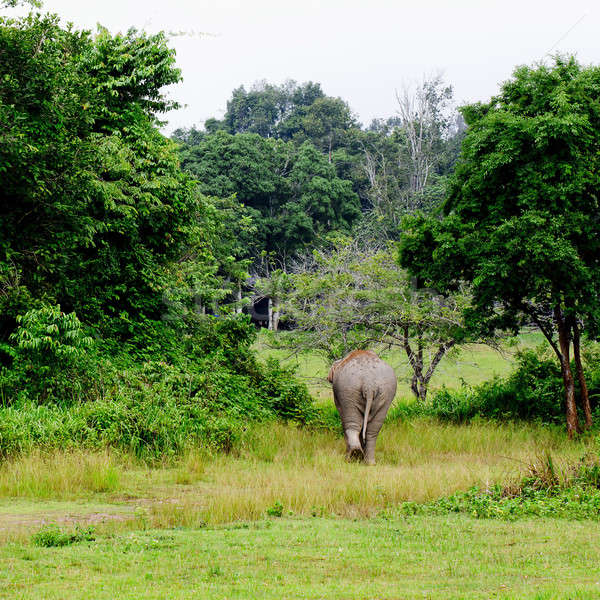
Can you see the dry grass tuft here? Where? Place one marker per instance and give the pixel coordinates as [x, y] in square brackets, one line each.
[60, 475]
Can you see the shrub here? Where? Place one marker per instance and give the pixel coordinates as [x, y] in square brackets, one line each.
[533, 391]
[52, 536]
[159, 406]
[49, 356]
[288, 398]
[457, 406]
[276, 510]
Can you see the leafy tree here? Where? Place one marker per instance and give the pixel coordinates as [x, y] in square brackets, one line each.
[188, 137]
[292, 193]
[288, 112]
[521, 219]
[94, 204]
[268, 110]
[352, 297]
[326, 121]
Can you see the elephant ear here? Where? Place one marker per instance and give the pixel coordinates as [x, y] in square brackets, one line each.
[331, 372]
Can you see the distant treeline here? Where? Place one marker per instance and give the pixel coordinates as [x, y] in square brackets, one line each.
[300, 164]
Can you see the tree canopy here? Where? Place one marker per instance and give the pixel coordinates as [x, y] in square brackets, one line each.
[94, 203]
[293, 192]
[289, 111]
[521, 219]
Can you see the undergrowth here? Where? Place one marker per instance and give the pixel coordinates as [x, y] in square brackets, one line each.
[572, 492]
[532, 392]
[204, 388]
[53, 536]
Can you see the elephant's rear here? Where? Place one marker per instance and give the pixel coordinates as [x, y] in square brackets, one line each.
[386, 382]
[363, 387]
[363, 370]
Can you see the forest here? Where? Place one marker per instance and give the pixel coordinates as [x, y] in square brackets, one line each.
[160, 294]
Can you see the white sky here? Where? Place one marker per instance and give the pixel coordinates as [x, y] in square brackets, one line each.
[360, 50]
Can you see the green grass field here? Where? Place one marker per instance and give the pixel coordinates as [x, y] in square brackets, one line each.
[318, 558]
[474, 364]
[208, 526]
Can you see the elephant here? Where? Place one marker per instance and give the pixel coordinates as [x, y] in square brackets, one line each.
[363, 389]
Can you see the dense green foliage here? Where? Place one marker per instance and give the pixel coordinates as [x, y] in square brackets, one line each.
[292, 193]
[517, 219]
[394, 165]
[109, 255]
[49, 358]
[287, 112]
[533, 391]
[93, 201]
[204, 389]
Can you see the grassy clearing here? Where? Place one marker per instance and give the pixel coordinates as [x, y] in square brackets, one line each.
[195, 527]
[473, 365]
[414, 557]
[303, 471]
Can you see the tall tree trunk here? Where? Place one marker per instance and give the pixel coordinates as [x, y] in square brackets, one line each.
[270, 312]
[275, 317]
[435, 361]
[414, 385]
[585, 399]
[238, 308]
[565, 367]
[415, 365]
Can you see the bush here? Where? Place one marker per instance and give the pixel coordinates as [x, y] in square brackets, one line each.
[534, 391]
[52, 536]
[49, 359]
[205, 391]
[288, 398]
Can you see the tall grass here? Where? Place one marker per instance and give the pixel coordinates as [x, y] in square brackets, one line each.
[60, 475]
[418, 461]
[303, 470]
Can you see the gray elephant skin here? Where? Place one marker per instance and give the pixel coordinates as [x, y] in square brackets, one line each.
[363, 389]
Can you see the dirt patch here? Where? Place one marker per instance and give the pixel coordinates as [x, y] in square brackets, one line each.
[30, 520]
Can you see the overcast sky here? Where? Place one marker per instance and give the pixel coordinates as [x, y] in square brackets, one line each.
[360, 50]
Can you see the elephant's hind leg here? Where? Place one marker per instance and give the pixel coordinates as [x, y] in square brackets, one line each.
[355, 455]
[354, 448]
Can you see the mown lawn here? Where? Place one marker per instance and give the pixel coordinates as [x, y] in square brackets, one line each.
[413, 557]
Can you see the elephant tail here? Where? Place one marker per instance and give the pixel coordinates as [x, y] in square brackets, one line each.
[369, 402]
